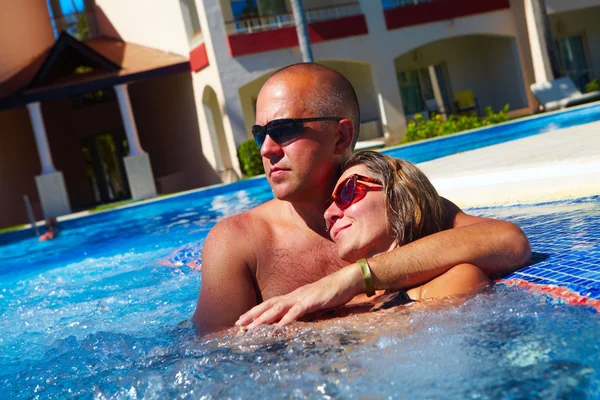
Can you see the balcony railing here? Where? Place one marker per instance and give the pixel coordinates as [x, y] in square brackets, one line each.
[416, 12]
[388, 4]
[249, 25]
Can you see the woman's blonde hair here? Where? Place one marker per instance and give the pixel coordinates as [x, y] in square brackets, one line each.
[413, 207]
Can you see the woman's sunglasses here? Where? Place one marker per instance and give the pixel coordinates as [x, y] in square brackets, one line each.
[352, 189]
[283, 131]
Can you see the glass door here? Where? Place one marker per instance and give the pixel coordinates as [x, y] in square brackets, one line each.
[103, 159]
[573, 60]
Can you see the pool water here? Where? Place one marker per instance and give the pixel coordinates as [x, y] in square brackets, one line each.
[452, 144]
[103, 311]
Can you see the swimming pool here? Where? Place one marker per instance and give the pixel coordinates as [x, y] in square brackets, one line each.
[446, 145]
[102, 312]
[98, 313]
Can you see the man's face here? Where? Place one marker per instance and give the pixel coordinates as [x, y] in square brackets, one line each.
[302, 169]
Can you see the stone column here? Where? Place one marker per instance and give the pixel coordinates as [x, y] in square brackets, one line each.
[383, 73]
[542, 68]
[227, 90]
[50, 183]
[137, 162]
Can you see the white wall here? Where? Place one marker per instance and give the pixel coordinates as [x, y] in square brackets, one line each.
[25, 32]
[153, 23]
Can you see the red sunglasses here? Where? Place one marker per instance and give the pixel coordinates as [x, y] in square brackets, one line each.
[352, 190]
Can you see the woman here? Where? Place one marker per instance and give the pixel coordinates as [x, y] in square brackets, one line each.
[379, 203]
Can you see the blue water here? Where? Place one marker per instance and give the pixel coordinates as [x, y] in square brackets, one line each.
[444, 146]
[102, 312]
[97, 312]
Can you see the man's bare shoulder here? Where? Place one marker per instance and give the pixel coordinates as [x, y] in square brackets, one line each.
[241, 234]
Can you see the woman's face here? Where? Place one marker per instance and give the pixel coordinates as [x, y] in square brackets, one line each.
[361, 230]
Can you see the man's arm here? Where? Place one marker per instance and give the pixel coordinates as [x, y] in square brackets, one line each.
[227, 289]
[496, 247]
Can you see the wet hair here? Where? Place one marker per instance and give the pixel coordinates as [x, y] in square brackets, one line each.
[413, 207]
[334, 95]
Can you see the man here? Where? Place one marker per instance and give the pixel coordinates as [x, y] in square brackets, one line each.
[283, 244]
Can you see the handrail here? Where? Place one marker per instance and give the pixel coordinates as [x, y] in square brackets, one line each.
[249, 25]
[354, 3]
[408, 3]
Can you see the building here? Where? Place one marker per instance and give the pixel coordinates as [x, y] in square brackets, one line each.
[162, 92]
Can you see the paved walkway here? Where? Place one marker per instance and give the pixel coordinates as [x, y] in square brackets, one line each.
[550, 166]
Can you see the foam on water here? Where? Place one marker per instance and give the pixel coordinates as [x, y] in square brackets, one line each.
[503, 343]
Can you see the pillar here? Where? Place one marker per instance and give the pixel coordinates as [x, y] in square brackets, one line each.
[137, 162]
[50, 183]
[383, 73]
[227, 90]
[542, 68]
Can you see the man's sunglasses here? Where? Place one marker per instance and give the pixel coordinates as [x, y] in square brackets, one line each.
[352, 189]
[283, 131]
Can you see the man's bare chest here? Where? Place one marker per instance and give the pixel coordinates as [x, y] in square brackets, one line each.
[295, 262]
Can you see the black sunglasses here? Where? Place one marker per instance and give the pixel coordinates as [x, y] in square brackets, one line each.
[284, 130]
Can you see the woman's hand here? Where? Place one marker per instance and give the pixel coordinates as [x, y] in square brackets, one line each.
[331, 291]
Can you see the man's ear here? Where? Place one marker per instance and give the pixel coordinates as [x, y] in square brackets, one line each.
[343, 144]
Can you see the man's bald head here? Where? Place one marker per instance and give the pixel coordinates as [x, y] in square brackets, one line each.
[332, 95]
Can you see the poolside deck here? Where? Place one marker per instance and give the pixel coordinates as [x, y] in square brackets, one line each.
[561, 164]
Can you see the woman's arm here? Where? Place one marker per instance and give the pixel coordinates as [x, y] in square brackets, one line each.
[339, 288]
[462, 279]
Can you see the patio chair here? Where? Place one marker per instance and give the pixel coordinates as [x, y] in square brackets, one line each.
[431, 105]
[465, 102]
[561, 93]
[433, 108]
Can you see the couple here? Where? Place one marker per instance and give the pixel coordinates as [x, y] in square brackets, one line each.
[277, 262]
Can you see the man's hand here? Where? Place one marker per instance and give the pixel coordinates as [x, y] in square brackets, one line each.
[332, 291]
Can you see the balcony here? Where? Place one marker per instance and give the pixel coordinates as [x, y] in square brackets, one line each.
[403, 13]
[274, 32]
[249, 25]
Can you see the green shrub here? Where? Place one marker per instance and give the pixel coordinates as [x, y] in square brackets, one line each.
[250, 160]
[420, 129]
[592, 86]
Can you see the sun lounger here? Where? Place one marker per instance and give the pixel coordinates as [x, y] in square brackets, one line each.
[561, 93]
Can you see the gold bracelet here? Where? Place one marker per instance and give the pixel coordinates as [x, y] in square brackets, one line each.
[365, 271]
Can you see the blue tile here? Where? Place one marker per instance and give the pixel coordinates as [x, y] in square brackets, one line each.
[565, 239]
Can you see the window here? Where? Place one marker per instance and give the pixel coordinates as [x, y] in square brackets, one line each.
[242, 9]
[190, 17]
[415, 88]
[72, 17]
[573, 60]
